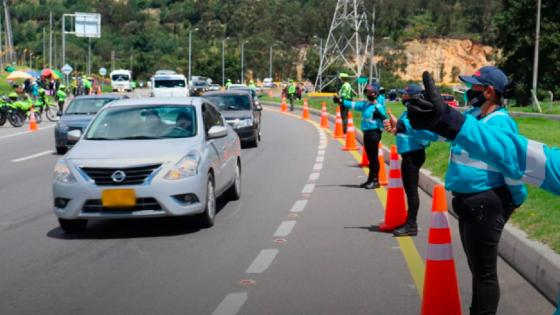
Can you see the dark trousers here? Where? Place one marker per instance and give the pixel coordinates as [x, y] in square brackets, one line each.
[371, 145]
[482, 217]
[344, 116]
[292, 98]
[410, 168]
[61, 105]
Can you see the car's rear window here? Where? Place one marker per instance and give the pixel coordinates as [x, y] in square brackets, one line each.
[228, 102]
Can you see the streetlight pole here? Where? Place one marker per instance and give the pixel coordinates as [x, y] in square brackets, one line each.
[190, 55]
[270, 64]
[242, 59]
[536, 57]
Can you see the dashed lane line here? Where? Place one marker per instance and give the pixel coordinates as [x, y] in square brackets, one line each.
[318, 166]
[24, 132]
[314, 176]
[29, 157]
[299, 206]
[308, 188]
[262, 261]
[231, 304]
[285, 229]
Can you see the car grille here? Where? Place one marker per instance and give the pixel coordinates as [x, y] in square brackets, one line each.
[133, 175]
[95, 206]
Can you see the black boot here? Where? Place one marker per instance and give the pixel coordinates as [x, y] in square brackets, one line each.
[409, 229]
[370, 185]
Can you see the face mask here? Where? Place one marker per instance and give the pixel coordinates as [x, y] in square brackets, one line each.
[475, 98]
[371, 97]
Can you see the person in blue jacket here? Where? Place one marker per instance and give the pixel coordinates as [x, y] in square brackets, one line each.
[411, 145]
[514, 155]
[373, 115]
[483, 197]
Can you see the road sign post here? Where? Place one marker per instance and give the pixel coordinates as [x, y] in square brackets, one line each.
[85, 25]
[103, 73]
[66, 69]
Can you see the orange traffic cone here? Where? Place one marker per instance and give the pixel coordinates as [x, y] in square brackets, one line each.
[382, 171]
[305, 113]
[395, 212]
[350, 136]
[365, 160]
[32, 121]
[324, 116]
[441, 289]
[283, 107]
[338, 131]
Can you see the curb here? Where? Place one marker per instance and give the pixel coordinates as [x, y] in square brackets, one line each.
[533, 260]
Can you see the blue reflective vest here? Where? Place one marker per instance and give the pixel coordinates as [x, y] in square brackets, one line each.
[513, 155]
[368, 110]
[381, 100]
[466, 174]
[413, 139]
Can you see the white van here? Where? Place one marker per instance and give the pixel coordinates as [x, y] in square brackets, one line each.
[121, 80]
[169, 85]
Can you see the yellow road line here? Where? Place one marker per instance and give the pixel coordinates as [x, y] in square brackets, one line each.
[414, 261]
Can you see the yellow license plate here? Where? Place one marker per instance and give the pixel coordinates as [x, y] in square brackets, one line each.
[118, 198]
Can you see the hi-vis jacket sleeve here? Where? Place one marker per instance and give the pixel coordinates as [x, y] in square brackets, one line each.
[357, 105]
[514, 155]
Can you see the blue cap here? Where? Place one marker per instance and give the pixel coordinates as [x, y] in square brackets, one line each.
[489, 76]
[412, 89]
[372, 88]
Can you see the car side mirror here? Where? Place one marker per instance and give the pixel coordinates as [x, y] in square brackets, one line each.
[74, 135]
[217, 132]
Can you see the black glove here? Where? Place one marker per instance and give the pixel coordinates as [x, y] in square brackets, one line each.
[431, 113]
[336, 99]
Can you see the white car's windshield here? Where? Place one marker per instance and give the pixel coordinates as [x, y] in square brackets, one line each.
[169, 83]
[140, 123]
[120, 77]
[86, 106]
[230, 102]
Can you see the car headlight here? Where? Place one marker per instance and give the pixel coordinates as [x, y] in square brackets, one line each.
[186, 167]
[63, 174]
[246, 122]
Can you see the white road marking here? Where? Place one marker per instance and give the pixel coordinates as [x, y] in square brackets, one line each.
[321, 152]
[262, 261]
[231, 304]
[318, 166]
[299, 206]
[285, 229]
[322, 147]
[314, 176]
[24, 132]
[29, 157]
[320, 158]
[307, 189]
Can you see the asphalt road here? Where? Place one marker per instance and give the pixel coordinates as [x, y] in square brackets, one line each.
[301, 240]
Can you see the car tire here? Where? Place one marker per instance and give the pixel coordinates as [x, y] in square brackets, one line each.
[234, 192]
[208, 217]
[255, 142]
[61, 150]
[72, 226]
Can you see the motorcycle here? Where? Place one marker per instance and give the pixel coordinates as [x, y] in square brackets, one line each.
[20, 110]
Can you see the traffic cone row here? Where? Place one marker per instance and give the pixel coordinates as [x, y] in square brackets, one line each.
[441, 289]
[382, 172]
[324, 116]
[305, 113]
[283, 107]
[350, 136]
[32, 121]
[338, 130]
[395, 210]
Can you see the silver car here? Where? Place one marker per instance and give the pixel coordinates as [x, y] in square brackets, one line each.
[148, 158]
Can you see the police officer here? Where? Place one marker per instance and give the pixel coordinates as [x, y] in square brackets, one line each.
[346, 94]
[482, 197]
[373, 115]
[291, 92]
[252, 85]
[228, 84]
[61, 98]
[517, 157]
[411, 145]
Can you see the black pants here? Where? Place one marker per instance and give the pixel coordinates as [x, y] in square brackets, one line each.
[61, 106]
[482, 217]
[410, 168]
[344, 116]
[292, 98]
[371, 145]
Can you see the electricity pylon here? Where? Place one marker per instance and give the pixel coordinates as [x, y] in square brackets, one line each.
[349, 45]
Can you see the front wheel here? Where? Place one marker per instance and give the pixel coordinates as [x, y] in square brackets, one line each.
[15, 119]
[208, 217]
[3, 117]
[52, 113]
[72, 226]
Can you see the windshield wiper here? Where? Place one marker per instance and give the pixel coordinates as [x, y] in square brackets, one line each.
[138, 138]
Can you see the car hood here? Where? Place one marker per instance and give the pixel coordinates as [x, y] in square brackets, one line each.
[76, 120]
[236, 114]
[120, 153]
